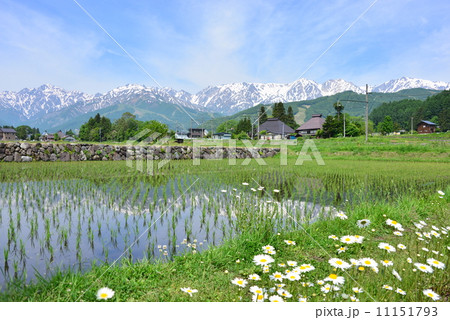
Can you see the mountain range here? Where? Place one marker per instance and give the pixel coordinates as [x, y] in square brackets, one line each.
[50, 107]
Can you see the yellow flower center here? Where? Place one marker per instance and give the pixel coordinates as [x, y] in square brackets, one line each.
[361, 268]
[263, 260]
[278, 276]
[239, 282]
[260, 297]
[333, 276]
[430, 294]
[339, 262]
[367, 262]
[103, 295]
[394, 222]
[387, 247]
[436, 262]
[386, 261]
[422, 267]
[347, 239]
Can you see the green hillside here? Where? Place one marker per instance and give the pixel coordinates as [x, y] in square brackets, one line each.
[303, 110]
[167, 113]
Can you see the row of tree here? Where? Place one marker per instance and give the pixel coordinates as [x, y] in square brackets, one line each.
[126, 127]
[435, 108]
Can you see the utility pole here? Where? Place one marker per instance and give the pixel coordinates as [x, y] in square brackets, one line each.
[344, 124]
[412, 125]
[367, 111]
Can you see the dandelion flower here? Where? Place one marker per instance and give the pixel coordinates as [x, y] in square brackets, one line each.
[262, 260]
[333, 237]
[363, 223]
[254, 277]
[401, 246]
[361, 268]
[338, 263]
[105, 293]
[424, 267]
[386, 246]
[368, 262]
[335, 279]
[435, 263]
[341, 215]
[430, 293]
[290, 242]
[341, 249]
[348, 239]
[387, 263]
[189, 290]
[276, 299]
[395, 273]
[400, 291]
[276, 276]
[387, 287]
[239, 282]
[357, 290]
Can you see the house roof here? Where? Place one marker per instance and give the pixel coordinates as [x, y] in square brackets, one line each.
[7, 130]
[429, 122]
[316, 122]
[275, 126]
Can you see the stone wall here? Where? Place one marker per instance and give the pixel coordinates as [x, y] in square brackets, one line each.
[26, 152]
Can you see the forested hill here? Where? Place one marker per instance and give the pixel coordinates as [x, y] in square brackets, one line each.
[435, 108]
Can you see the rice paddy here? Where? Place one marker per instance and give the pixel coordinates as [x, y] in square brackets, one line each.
[71, 231]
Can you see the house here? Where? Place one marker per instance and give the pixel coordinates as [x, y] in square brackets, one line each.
[47, 136]
[273, 128]
[222, 135]
[426, 127]
[70, 139]
[61, 135]
[311, 126]
[194, 133]
[8, 134]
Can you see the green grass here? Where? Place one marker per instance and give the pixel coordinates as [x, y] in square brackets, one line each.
[404, 190]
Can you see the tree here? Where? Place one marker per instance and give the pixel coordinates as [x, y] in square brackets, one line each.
[290, 120]
[244, 125]
[95, 129]
[387, 126]
[279, 112]
[227, 126]
[262, 115]
[338, 107]
[22, 132]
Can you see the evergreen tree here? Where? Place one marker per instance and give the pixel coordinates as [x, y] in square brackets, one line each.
[279, 112]
[262, 115]
[338, 107]
[290, 120]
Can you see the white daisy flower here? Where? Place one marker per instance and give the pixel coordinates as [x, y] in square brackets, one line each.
[403, 293]
[395, 273]
[358, 239]
[394, 224]
[291, 263]
[341, 249]
[401, 246]
[189, 291]
[348, 239]
[254, 277]
[333, 237]
[320, 282]
[368, 262]
[387, 287]
[426, 249]
[262, 259]
[422, 223]
[268, 248]
[424, 267]
[363, 223]
[418, 225]
[302, 300]
[430, 293]
[398, 233]
[284, 293]
[245, 183]
[306, 268]
[338, 263]
[256, 290]
[326, 288]
[292, 276]
[355, 262]
[386, 263]
[282, 265]
[290, 242]
[276, 190]
[435, 263]
[341, 215]
[409, 260]
[442, 193]
[276, 299]
[259, 297]
[105, 293]
[239, 282]
[357, 290]
[277, 276]
[436, 234]
[386, 246]
[354, 299]
[335, 279]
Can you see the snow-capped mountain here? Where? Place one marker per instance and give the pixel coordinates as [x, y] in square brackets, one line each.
[32, 104]
[410, 83]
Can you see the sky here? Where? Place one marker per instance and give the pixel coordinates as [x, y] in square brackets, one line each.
[189, 45]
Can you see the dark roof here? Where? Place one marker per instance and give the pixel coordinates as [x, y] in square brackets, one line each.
[428, 122]
[316, 122]
[7, 130]
[275, 126]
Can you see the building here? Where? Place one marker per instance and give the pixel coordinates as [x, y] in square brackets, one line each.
[222, 136]
[311, 126]
[8, 134]
[194, 133]
[426, 127]
[70, 139]
[273, 128]
[47, 136]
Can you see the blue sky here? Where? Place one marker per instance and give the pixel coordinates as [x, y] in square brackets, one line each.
[192, 44]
